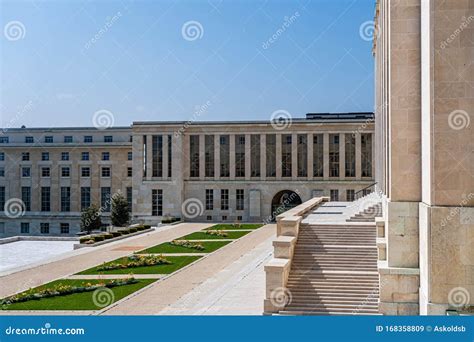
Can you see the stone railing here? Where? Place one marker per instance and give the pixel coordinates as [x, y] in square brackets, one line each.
[278, 269]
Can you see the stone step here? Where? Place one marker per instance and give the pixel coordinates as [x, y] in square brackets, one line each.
[323, 313]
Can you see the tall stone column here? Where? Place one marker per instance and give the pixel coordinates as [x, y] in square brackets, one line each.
[248, 153]
[310, 141]
[149, 153]
[202, 157]
[217, 156]
[232, 157]
[263, 156]
[294, 156]
[165, 156]
[326, 156]
[358, 158]
[342, 156]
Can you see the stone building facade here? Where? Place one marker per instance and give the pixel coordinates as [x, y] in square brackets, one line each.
[199, 171]
[424, 54]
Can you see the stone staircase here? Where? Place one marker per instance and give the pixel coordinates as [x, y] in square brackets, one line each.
[334, 269]
[367, 215]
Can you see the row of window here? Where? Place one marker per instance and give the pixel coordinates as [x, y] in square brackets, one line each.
[65, 172]
[44, 228]
[157, 151]
[49, 139]
[25, 156]
[286, 155]
[65, 198]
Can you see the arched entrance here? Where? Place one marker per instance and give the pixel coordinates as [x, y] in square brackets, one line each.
[283, 201]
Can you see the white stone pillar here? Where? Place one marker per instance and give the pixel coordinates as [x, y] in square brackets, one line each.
[217, 156]
[165, 156]
[326, 156]
[263, 156]
[342, 156]
[232, 157]
[310, 142]
[358, 164]
[202, 154]
[278, 156]
[294, 156]
[248, 153]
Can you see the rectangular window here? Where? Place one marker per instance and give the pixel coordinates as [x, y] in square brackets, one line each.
[25, 156]
[157, 202]
[45, 156]
[108, 139]
[105, 198]
[105, 156]
[157, 156]
[29, 140]
[65, 198]
[350, 195]
[239, 195]
[302, 155]
[105, 172]
[224, 155]
[334, 194]
[44, 228]
[25, 228]
[65, 172]
[2, 172]
[318, 155]
[240, 155]
[26, 197]
[2, 198]
[68, 139]
[333, 155]
[209, 158]
[129, 172]
[145, 155]
[45, 172]
[85, 156]
[85, 197]
[129, 198]
[350, 153]
[224, 199]
[3, 140]
[88, 138]
[45, 198]
[85, 171]
[366, 154]
[2, 156]
[255, 155]
[209, 199]
[64, 228]
[271, 155]
[194, 155]
[64, 155]
[48, 139]
[170, 155]
[25, 172]
[129, 156]
[286, 155]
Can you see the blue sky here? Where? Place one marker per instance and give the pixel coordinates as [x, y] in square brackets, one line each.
[74, 58]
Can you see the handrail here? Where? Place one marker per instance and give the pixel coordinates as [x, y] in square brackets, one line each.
[361, 190]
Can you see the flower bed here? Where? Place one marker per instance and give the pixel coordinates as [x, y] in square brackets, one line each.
[135, 261]
[188, 244]
[216, 233]
[62, 290]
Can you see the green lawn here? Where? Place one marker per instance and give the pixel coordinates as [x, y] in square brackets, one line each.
[177, 262]
[76, 301]
[231, 226]
[167, 247]
[204, 236]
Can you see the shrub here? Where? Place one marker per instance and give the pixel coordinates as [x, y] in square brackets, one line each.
[216, 233]
[90, 219]
[98, 238]
[108, 235]
[146, 226]
[188, 244]
[133, 230]
[124, 231]
[120, 215]
[115, 234]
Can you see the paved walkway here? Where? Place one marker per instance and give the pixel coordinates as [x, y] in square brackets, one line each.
[89, 257]
[228, 267]
[239, 289]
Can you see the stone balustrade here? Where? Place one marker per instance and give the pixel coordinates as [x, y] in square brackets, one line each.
[278, 269]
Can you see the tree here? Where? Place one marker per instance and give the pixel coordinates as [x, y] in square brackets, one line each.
[120, 215]
[90, 219]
